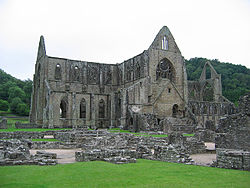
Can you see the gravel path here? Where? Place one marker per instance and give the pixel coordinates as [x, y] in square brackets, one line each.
[64, 156]
[203, 159]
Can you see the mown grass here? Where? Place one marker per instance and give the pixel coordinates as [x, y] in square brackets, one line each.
[13, 118]
[144, 173]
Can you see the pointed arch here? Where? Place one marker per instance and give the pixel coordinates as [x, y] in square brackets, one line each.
[175, 110]
[164, 43]
[76, 73]
[58, 74]
[207, 92]
[83, 108]
[165, 69]
[63, 108]
[101, 109]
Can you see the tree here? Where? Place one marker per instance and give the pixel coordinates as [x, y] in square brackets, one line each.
[14, 104]
[16, 92]
[4, 105]
[4, 89]
[22, 109]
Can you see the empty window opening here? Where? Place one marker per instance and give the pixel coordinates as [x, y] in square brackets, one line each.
[101, 109]
[165, 69]
[63, 109]
[175, 110]
[83, 109]
[164, 43]
[169, 90]
[58, 74]
[76, 74]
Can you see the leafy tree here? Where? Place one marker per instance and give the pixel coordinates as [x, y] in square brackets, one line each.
[4, 105]
[16, 92]
[27, 88]
[4, 89]
[23, 109]
[14, 104]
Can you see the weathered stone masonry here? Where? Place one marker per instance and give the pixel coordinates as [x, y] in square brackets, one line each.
[71, 93]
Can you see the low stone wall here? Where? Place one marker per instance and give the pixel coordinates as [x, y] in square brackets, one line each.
[16, 152]
[3, 123]
[27, 134]
[235, 159]
[52, 145]
[20, 125]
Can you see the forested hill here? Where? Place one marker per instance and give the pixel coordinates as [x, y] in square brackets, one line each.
[14, 94]
[235, 78]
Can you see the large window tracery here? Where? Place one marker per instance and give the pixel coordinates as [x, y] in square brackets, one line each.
[165, 69]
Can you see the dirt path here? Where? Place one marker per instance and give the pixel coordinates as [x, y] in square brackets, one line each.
[205, 159]
[64, 156]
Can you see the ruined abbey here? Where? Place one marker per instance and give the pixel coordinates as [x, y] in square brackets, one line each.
[148, 92]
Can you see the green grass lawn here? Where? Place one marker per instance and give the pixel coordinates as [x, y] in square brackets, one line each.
[12, 118]
[144, 173]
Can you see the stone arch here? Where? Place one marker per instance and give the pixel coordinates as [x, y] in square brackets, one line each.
[215, 109]
[63, 108]
[165, 69]
[58, 74]
[83, 108]
[164, 43]
[76, 73]
[138, 71]
[208, 92]
[101, 109]
[175, 110]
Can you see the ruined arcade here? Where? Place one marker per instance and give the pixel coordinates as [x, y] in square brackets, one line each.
[148, 92]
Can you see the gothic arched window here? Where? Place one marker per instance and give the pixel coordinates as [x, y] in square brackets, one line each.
[164, 43]
[63, 108]
[101, 109]
[83, 109]
[165, 69]
[58, 75]
[76, 74]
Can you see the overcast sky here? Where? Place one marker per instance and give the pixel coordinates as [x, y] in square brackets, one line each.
[111, 31]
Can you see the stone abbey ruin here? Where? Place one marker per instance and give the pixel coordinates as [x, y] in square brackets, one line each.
[145, 93]
[148, 94]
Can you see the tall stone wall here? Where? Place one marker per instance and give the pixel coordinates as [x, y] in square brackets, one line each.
[232, 138]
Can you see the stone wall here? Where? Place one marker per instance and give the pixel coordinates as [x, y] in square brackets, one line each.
[232, 138]
[20, 125]
[27, 134]
[3, 124]
[16, 152]
[235, 159]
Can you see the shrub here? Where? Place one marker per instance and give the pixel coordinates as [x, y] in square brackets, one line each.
[4, 105]
[14, 104]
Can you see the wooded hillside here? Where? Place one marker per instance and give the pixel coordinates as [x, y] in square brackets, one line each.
[235, 78]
